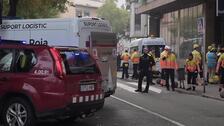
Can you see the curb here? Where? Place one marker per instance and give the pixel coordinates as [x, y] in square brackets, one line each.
[198, 94]
[212, 97]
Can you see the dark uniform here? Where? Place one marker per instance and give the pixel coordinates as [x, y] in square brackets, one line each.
[145, 67]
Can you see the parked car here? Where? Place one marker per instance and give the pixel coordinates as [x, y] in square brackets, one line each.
[39, 81]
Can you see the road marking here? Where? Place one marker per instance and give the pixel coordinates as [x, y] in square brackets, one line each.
[148, 111]
[151, 88]
[125, 87]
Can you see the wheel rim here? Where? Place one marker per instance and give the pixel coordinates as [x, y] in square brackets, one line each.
[16, 115]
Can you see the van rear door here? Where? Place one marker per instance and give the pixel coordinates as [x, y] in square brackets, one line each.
[83, 79]
[104, 50]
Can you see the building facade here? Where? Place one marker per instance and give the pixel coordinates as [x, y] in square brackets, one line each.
[138, 22]
[184, 22]
[82, 8]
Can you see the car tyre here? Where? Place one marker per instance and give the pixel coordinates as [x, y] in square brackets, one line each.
[18, 112]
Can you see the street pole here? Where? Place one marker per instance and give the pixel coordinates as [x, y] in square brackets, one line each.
[1, 9]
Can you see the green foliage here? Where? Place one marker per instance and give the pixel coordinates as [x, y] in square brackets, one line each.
[37, 8]
[118, 17]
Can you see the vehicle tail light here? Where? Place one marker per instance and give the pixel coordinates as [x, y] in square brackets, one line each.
[59, 72]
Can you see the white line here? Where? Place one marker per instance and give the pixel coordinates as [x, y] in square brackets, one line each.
[125, 87]
[151, 88]
[151, 112]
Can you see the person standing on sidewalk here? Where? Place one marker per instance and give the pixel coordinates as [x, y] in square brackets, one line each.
[135, 60]
[170, 68]
[125, 58]
[162, 62]
[145, 67]
[211, 63]
[192, 69]
[220, 69]
[197, 57]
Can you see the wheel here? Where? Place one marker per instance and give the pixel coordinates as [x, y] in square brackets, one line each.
[17, 112]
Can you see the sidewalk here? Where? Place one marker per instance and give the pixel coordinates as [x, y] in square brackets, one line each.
[210, 92]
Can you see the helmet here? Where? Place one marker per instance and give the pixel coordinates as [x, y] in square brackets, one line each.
[167, 48]
[209, 48]
[195, 46]
[213, 49]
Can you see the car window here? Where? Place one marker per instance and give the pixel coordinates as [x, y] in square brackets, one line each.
[6, 57]
[77, 62]
[25, 60]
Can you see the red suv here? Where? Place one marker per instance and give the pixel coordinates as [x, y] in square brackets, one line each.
[42, 81]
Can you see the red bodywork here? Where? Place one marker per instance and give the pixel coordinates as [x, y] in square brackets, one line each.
[47, 88]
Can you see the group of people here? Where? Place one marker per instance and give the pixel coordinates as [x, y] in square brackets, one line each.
[215, 65]
[142, 63]
[168, 64]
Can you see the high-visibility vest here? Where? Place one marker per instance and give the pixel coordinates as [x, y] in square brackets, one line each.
[163, 62]
[191, 65]
[171, 61]
[196, 56]
[220, 62]
[125, 57]
[135, 57]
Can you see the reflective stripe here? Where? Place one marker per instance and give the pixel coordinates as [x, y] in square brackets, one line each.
[191, 65]
[135, 58]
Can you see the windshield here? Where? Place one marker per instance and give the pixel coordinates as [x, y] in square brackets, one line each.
[155, 49]
[78, 62]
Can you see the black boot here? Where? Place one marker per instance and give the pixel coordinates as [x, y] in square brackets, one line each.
[188, 89]
[193, 88]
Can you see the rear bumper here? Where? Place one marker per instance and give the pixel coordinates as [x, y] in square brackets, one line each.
[73, 110]
[108, 93]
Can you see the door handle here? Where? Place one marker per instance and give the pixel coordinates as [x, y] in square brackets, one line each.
[4, 79]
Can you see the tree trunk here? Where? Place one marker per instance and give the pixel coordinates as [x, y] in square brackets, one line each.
[1, 9]
[12, 8]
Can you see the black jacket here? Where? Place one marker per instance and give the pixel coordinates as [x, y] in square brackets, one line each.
[146, 62]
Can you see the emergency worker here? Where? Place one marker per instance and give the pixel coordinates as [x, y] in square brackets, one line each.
[192, 69]
[197, 57]
[170, 67]
[125, 58]
[220, 69]
[145, 67]
[135, 57]
[162, 62]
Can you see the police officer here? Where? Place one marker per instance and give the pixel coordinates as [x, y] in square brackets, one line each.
[145, 67]
[125, 58]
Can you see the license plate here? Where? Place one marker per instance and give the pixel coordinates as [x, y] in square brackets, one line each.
[84, 88]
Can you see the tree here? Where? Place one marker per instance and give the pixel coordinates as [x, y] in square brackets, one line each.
[34, 8]
[118, 17]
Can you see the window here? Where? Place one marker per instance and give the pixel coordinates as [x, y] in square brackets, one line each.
[78, 13]
[6, 57]
[78, 62]
[25, 60]
[86, 13]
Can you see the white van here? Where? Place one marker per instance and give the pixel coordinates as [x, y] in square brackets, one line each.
[155, 45]
[95, 34]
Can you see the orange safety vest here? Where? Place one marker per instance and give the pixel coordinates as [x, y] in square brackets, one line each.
[125, 57]
[191, 65]
[171, 61]
[135, 58]
[163, 62]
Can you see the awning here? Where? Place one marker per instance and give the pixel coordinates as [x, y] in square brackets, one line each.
[165, 6]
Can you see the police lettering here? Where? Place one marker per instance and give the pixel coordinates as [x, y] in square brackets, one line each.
[41, 42]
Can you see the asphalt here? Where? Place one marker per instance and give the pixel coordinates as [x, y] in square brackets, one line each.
[211, 90]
